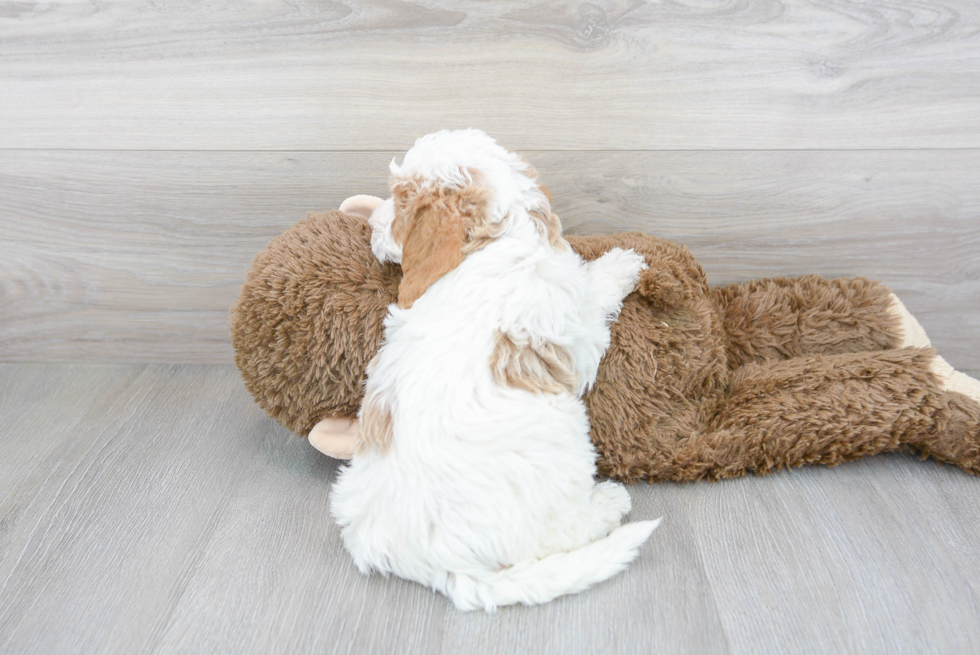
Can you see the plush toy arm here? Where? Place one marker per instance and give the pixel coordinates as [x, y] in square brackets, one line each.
[335, 437]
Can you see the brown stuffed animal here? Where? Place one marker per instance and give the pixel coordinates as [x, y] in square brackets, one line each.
[698, 382]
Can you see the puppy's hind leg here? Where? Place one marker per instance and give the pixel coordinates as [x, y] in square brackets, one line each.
[610, 503]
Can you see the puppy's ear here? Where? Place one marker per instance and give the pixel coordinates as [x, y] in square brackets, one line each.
[433, 226]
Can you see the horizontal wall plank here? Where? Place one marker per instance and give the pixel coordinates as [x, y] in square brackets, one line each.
[137, 256]
[768, 74]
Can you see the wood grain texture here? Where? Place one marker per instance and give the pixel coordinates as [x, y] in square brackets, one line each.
[162, 512]
[137, 256]
[641, 612]
[374, 74]
[838, 547]
[101, 534]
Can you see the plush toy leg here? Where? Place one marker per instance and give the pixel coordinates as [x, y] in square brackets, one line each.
[954, 381]
[959, 440]
[914, 336]
[828, 409]
[783, 318]
[335, 437]
[911, 333]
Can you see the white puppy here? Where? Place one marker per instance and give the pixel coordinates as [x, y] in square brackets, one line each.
[474, 472]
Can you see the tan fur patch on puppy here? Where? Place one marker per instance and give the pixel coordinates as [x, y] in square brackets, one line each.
[375, 429]
[539, 369]
[548, 223]
[550, 226]
[374, 422]
[482, 234]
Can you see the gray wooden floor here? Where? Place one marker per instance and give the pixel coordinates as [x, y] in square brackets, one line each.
[154, 508]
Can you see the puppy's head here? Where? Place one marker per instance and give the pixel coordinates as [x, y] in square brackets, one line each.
[455, 192]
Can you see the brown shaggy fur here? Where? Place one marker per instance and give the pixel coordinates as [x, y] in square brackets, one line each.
[697, 382]
[310, 317]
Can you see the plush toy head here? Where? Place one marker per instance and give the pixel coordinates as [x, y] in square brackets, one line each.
[310, 316]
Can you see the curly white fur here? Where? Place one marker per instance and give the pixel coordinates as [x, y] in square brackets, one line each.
[487, 492]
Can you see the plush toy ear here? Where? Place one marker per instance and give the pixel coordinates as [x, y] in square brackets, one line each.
[432, 226]
[362, 206]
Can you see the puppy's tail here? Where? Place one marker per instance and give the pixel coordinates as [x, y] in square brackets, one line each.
[539, 581]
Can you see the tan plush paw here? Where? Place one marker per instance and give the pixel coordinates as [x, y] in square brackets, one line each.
[913, 335]
[952, 380]
[335, 437]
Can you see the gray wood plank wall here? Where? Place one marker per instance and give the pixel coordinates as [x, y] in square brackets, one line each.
[148, 151]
